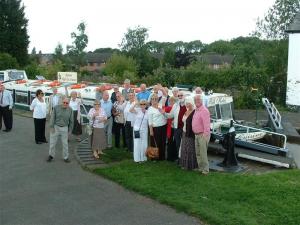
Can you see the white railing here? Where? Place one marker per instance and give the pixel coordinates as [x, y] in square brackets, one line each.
[273, 112]
[248, 129]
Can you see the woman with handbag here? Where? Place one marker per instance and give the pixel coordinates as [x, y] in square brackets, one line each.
[97, 119]
[140, 131]
[157, 126]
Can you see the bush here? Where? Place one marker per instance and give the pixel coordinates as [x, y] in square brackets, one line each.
[7, 62]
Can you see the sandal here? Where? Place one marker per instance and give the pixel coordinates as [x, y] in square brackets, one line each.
[96, 155]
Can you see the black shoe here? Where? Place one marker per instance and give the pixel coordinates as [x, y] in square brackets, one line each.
[38, 142]
[67, 160]
[6, 130]
[45, 141]
[50, 158]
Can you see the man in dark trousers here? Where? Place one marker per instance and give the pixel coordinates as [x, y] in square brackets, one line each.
[6, 104]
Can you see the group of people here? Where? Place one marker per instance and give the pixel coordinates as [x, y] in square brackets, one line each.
[178, 125]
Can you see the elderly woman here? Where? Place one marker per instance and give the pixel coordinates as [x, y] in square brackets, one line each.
[39, 108]
[74, 104]
[97, 119]
[188, 158]
[140, 129]
[119, 119]
[157, 126]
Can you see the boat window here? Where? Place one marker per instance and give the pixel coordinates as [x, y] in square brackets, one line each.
[16, 75]
[21, 97]
[1, 76]
[32, 96]
[226, 112]
[212, 111]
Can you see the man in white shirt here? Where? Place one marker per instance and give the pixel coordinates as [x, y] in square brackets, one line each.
[177, 113]
[6, 104]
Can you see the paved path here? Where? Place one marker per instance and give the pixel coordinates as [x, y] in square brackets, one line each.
[35, 192]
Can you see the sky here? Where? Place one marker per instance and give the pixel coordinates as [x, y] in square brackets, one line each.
[52, 21]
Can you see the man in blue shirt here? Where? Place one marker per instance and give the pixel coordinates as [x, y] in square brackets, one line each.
[144, 94]
[107, 105]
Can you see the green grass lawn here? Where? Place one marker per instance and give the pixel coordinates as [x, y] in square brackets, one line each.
[219, 198]
[115, 155]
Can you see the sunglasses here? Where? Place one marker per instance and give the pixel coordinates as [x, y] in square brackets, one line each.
[41, 93]
[96, 104]
[154, 99]
[180, 95]
[143, 104]
[66, 103]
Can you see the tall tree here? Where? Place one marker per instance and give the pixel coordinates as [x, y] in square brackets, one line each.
[13, 30]
[134, 45]
[277, 20]
[134, 40]
[76, 50]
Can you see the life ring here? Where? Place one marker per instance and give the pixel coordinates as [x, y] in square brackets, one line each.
[21, 81]
[78, 86]
[137, 90]
[55, 83]
[107, 87]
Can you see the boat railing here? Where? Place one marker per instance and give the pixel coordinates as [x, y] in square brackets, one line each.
[248, 129]
[273, 113]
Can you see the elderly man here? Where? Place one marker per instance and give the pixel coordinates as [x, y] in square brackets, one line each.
[61, 122]
[126, 89]
[107, 105]
[143, 94]
[6, 104]
[201, 128]
[177, 113]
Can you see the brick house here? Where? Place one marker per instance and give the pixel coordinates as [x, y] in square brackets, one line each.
[216, 61]
[95, 61]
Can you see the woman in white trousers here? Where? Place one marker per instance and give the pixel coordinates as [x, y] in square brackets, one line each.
[140, 141]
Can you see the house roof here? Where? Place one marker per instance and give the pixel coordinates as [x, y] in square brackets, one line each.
[216, 59]
[295, 25]
[97, 57]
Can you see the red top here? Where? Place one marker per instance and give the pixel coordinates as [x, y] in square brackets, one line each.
[180, 116]
[169, 121]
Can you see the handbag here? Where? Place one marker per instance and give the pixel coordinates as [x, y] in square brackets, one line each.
[89, 128]
[136, 133]
[152, 152]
